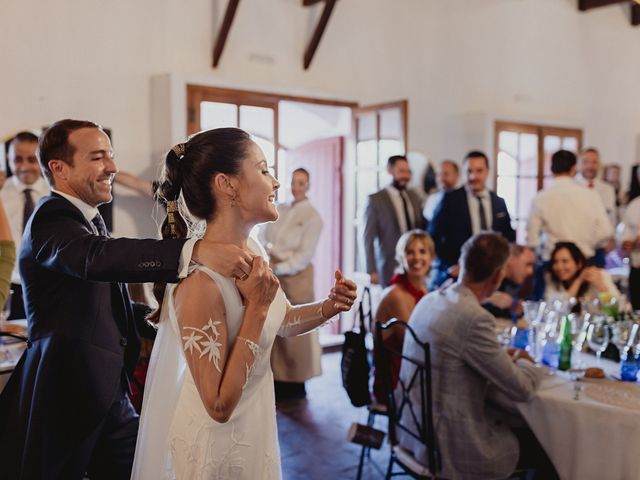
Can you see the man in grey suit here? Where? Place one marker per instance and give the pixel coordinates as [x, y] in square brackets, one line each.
[466, 359]
[390, 212]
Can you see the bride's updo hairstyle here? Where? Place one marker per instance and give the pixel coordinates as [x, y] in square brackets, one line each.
[186, 180]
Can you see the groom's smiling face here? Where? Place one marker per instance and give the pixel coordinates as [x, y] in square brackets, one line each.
[93, 166]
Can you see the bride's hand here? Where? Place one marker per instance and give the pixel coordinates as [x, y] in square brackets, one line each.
[260, 286]
[228, 260]
[341, 298]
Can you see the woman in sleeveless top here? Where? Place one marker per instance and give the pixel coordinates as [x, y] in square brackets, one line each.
[209, 409]
[415, 251]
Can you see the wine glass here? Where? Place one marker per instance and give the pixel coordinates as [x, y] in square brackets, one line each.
[622, 334]
[598, 337]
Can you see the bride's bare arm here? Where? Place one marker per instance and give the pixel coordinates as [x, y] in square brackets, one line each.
[301, 319]
[220, 370]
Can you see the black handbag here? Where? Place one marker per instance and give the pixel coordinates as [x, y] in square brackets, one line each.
[355, 359]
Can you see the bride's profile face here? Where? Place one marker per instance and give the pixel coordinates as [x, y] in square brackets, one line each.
[257, 191]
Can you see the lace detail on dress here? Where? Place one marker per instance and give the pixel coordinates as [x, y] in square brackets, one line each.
[204, 342]
[255, 349]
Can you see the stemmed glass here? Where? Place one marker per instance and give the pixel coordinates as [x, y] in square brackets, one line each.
[534, 314]
[622, 334]
[598, 337]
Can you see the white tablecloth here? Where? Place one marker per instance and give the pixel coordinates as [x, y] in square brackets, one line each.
[587, 438]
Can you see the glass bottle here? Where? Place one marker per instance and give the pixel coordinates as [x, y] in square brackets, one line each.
[566, 345]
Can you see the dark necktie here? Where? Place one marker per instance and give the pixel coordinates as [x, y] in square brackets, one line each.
[483, 214]
[28, 207]
[407, 217]
[98, 222]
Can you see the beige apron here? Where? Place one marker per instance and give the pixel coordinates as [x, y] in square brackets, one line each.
[296, 359]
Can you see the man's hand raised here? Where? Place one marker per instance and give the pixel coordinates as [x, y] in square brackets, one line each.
[228, 260]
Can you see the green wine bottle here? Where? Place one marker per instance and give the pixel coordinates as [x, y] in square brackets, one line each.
[565, 345]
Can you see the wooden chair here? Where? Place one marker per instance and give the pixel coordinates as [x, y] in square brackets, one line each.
[417, 420]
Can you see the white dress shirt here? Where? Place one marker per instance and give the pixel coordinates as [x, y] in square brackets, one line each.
[90, 212]
[394, 194]
[13, 199]
[567, 211]
[474, 209]
[607, 195]
[631, 230]
[293, 238]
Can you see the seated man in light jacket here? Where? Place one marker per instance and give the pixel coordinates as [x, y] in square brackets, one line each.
[467, 358]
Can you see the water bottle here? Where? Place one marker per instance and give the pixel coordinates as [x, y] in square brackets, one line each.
[551, 351]
[521, 338]
[629, 366]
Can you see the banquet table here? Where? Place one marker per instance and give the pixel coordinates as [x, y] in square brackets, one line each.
[596, 436]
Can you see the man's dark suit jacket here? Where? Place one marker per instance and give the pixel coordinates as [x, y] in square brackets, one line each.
[82, 336]
[451, 224]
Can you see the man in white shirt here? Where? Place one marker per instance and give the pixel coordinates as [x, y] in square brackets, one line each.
[390, 212]
[589, 170]
[566, 211]
[630, 243]
[588, 176]
[20, 194]
[448, 178]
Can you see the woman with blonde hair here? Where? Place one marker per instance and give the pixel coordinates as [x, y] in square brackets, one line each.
[415, 252]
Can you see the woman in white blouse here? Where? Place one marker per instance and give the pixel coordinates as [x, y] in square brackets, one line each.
[291, 243]
[571, 277]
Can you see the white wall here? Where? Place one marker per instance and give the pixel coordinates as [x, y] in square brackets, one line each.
[531, 60]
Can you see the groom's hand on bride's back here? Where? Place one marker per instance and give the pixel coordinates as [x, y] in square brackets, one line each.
[260, 286]
[229, 260]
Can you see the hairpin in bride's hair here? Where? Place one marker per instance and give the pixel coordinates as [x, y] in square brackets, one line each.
[172, 211]
[179, 150]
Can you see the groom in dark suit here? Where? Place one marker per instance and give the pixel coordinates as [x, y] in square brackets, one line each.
[65, 410]
[465, 212]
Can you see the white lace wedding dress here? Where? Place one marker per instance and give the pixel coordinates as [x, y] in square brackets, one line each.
[177, 437]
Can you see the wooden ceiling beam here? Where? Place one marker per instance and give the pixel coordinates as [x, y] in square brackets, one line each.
[635, 14]
[584, 5]
[320, 28]
[223, 33]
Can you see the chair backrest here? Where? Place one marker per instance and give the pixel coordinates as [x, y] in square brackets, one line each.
[404, 414]
[13, 335]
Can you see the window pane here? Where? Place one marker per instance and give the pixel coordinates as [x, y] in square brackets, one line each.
[216, 115]
[387, 149]
[507, 189]
[367, 184]
[267, 148]
[571, 144]
[508, 143]
[257, 121]
[391, 125]
[367, 154]
[367, 129]
[521, 231]
[507, 164]
[552, 144]
[528, 154]
[527, 189]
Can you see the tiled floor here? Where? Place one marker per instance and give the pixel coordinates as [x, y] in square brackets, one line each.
[313, 432]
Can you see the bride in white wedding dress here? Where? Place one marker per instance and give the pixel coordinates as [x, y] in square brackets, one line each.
[209, 406]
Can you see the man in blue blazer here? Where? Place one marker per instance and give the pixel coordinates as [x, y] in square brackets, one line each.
[466, 211]
[65, 409]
